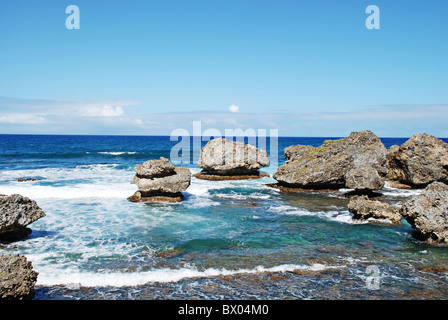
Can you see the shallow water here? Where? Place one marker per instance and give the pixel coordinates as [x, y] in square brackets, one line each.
[226, 240]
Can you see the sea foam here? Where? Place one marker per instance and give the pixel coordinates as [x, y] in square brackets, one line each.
[83, 181]
[72, 276]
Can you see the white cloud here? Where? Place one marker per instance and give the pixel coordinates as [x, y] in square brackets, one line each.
[88, 108]
[234, 108]
[22, 119]
[104, 111]
[111, 117]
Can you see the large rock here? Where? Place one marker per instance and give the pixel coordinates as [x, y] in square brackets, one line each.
[419, 161]
[178, 180]
[17, 277]
[428, 213]
[155, 168]
[221, 157]
[363, 208]
[355, 162]
[16, 213]
[159, 180]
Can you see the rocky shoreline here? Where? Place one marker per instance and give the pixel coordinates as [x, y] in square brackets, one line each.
[17, 277]
[359, 163]
[362, 164]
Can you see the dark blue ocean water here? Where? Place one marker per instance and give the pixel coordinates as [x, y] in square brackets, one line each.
[41, 151]
[227, 239]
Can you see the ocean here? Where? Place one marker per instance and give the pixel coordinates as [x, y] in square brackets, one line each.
[226, 240]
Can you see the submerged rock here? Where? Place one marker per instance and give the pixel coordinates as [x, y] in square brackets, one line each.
[223, 159]
[363, 208]
[159, 180]
[288, 190]
[16, 213]
[204, 175]
[428, 213]
[355, 162]
[17, 277]
[28, 179]
[419, 161]
[141, 196]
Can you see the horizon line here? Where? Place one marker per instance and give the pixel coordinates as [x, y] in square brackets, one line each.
[164, 135]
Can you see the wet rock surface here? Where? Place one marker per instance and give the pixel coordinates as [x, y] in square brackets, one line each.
[363, 208]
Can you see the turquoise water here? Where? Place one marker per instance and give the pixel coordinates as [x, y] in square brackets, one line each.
[227, 239]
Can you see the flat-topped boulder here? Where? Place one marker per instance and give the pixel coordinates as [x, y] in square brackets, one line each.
[419, 161]
[160, 181]
[17, 277]
[356, 162]
[221, 159]
[428, 214]
[364, 208]
[16, 213]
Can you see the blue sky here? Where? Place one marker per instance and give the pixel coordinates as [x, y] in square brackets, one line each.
[307, 68]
